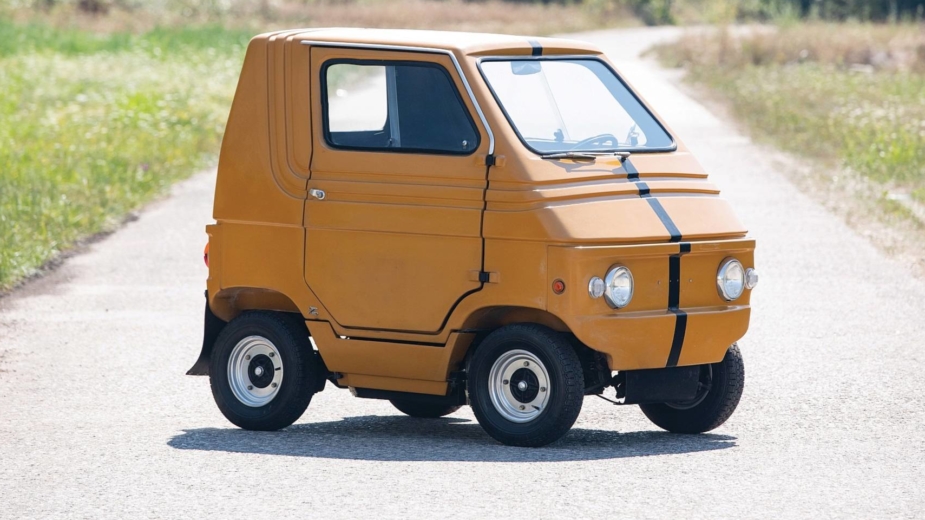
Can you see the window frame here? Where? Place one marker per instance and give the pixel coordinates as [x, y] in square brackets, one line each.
[673, 147]
[326, 132]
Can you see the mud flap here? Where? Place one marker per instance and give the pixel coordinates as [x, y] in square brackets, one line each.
[658, 385]
[213, 327]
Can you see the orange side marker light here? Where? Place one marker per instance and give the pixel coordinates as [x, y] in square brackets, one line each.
[558, 287]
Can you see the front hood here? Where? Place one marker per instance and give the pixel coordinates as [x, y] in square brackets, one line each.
[638, 201]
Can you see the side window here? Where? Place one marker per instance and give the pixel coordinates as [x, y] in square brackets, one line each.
[400, 106]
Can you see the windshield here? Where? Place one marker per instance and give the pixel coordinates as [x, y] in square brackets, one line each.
[572, 105]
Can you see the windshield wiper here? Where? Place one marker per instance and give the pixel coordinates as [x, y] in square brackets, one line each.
[584, 156]
[578, 156]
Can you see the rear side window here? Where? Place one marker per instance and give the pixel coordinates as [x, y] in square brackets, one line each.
[395, 106]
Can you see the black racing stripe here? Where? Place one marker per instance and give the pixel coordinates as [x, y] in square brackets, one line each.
[666, 220]
[537, 48]
[631, 172]
[674, 282]
[674, 303]
[677, 341]
[643, 189]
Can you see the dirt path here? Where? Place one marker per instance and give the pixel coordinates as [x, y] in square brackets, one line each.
[98, 420]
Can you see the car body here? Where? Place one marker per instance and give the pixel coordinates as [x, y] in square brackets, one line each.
[402, 243]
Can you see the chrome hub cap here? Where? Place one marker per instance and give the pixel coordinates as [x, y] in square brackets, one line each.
[255, 371]
[518, 385]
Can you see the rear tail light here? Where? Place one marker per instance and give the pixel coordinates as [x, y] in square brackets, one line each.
[205, 254]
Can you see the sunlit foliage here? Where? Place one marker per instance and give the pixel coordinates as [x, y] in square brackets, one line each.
[94, 126]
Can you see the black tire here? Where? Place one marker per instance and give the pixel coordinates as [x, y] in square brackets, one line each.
[713, 408]
[302, 374]
[565, 380]
[423, 410]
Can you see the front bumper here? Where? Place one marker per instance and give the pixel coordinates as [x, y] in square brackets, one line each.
[658, 339]
[676, 316]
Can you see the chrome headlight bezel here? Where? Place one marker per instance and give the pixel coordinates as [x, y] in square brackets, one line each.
[726, 269]
[614, 295]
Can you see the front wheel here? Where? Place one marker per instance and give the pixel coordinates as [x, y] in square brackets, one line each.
[721, 387]
[264, 371]
[526, 385]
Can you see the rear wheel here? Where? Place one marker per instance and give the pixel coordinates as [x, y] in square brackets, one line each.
[526, 385]
[264, 371]
[423, 410]
[721, 386]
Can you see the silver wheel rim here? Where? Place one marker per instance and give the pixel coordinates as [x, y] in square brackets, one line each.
[519, 386]
[255, 371]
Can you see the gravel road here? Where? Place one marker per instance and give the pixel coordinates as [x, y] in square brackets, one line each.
[97, 419]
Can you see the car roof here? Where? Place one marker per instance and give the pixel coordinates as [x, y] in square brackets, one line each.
[463, 43]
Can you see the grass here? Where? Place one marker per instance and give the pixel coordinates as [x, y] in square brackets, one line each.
[849, 95]
[94, 126]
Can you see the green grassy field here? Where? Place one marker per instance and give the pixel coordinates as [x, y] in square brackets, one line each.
[852, 96]
[93, 126]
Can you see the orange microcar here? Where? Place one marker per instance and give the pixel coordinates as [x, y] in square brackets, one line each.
[444, 219]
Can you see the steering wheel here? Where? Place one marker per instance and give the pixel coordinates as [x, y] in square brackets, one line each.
[598, 141]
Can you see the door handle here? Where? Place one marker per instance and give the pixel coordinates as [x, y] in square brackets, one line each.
[318, 194]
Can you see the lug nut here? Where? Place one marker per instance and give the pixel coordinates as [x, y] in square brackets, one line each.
[272, 354]
[275, 385]
[542, 389]
[249, 387]
[526, 363]
[247, 357]
[522, 407]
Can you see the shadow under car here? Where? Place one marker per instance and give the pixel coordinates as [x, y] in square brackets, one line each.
[398, 438]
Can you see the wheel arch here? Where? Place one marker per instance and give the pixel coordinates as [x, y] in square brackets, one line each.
[491, 318]
[227, 305]
[229, 302]
[486, 320]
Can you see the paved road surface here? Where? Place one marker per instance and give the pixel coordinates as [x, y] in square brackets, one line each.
[97, 419]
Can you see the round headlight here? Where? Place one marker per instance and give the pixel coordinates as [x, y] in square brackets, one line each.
[730, 279]
[618, 287]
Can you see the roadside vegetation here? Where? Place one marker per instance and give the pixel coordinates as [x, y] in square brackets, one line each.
[689, 12]
[852, 94]
[512, 17]
[95, 126]
[103, 105]
[849, 97]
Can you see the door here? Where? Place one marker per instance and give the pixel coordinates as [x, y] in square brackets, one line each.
[395, 240]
